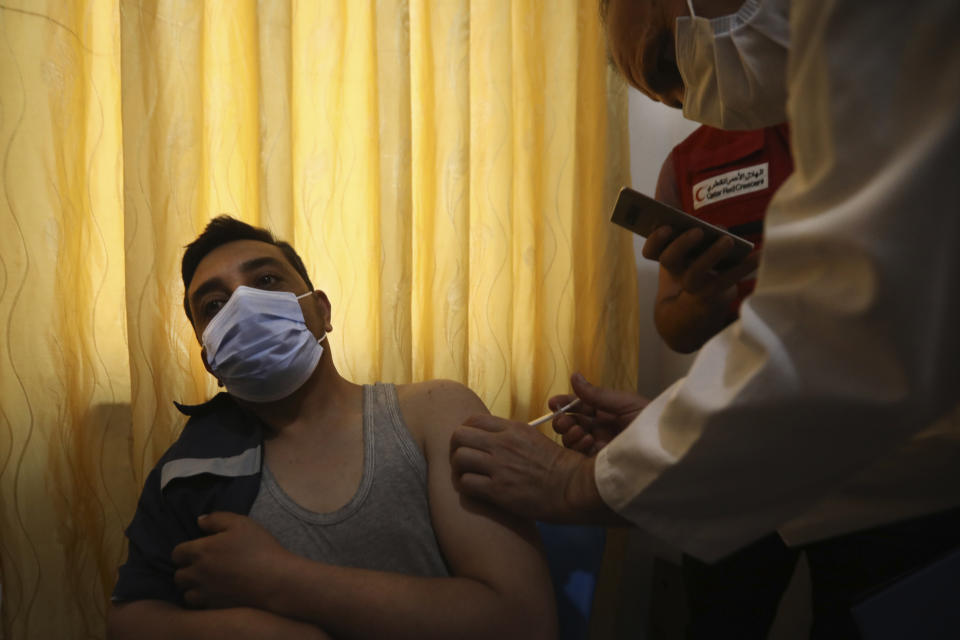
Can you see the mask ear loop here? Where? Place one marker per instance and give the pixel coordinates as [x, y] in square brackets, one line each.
[690, 6]
[324, 337]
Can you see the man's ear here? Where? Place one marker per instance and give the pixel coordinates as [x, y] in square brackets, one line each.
[325, 309]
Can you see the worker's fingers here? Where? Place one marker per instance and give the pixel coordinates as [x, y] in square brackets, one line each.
[466, 460]
[656, 242]
[739, 271]
[676, 256]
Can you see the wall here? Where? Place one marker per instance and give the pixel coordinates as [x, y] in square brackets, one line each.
[654, 130]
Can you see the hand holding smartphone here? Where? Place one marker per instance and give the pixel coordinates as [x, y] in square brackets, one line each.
[642, 215]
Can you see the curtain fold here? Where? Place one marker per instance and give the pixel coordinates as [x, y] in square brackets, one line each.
[445, 168]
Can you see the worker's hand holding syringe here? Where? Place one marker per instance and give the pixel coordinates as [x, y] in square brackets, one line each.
[596, 419]
[507, 463]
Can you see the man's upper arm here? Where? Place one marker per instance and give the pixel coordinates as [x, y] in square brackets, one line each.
[479, 541]
[154, 531]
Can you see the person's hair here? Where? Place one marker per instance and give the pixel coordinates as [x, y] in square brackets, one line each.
[603, 6]
[220, 231]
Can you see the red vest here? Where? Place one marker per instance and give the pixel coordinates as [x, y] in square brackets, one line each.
[728, 177]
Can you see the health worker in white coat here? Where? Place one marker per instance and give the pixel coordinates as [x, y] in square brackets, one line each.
[830, 411]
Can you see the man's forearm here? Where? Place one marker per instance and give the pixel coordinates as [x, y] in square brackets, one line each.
[372, 604]
[156, 619]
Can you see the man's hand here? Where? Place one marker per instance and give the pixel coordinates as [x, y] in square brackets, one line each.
[600, 416]
[519, 469]
[698, 275]
[233, 566]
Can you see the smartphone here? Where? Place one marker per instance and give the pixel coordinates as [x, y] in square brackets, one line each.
[642, 215]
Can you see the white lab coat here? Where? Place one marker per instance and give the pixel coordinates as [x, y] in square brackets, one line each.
[832, 404]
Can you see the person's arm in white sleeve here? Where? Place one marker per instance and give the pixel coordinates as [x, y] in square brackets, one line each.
[840, 356]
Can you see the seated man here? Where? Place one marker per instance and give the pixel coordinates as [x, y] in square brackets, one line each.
[298, 504]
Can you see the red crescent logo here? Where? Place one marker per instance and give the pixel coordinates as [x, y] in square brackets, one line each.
[697, 194]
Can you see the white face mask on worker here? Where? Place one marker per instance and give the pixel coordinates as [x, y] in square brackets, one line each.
[259, 346]
[734, 67]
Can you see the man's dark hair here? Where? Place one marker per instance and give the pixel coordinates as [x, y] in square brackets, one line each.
[220, 231]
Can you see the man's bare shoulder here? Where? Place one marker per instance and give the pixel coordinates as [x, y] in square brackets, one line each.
[437, 405]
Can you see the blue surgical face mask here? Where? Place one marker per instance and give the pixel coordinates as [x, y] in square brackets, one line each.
[734, 67]
[259, 346]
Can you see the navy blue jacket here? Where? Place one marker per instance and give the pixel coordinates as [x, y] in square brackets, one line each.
[214, 465]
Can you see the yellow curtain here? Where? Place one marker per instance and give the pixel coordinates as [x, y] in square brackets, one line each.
[445, 168]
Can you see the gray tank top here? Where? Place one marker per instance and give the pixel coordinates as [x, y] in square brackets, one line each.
[386, 525]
